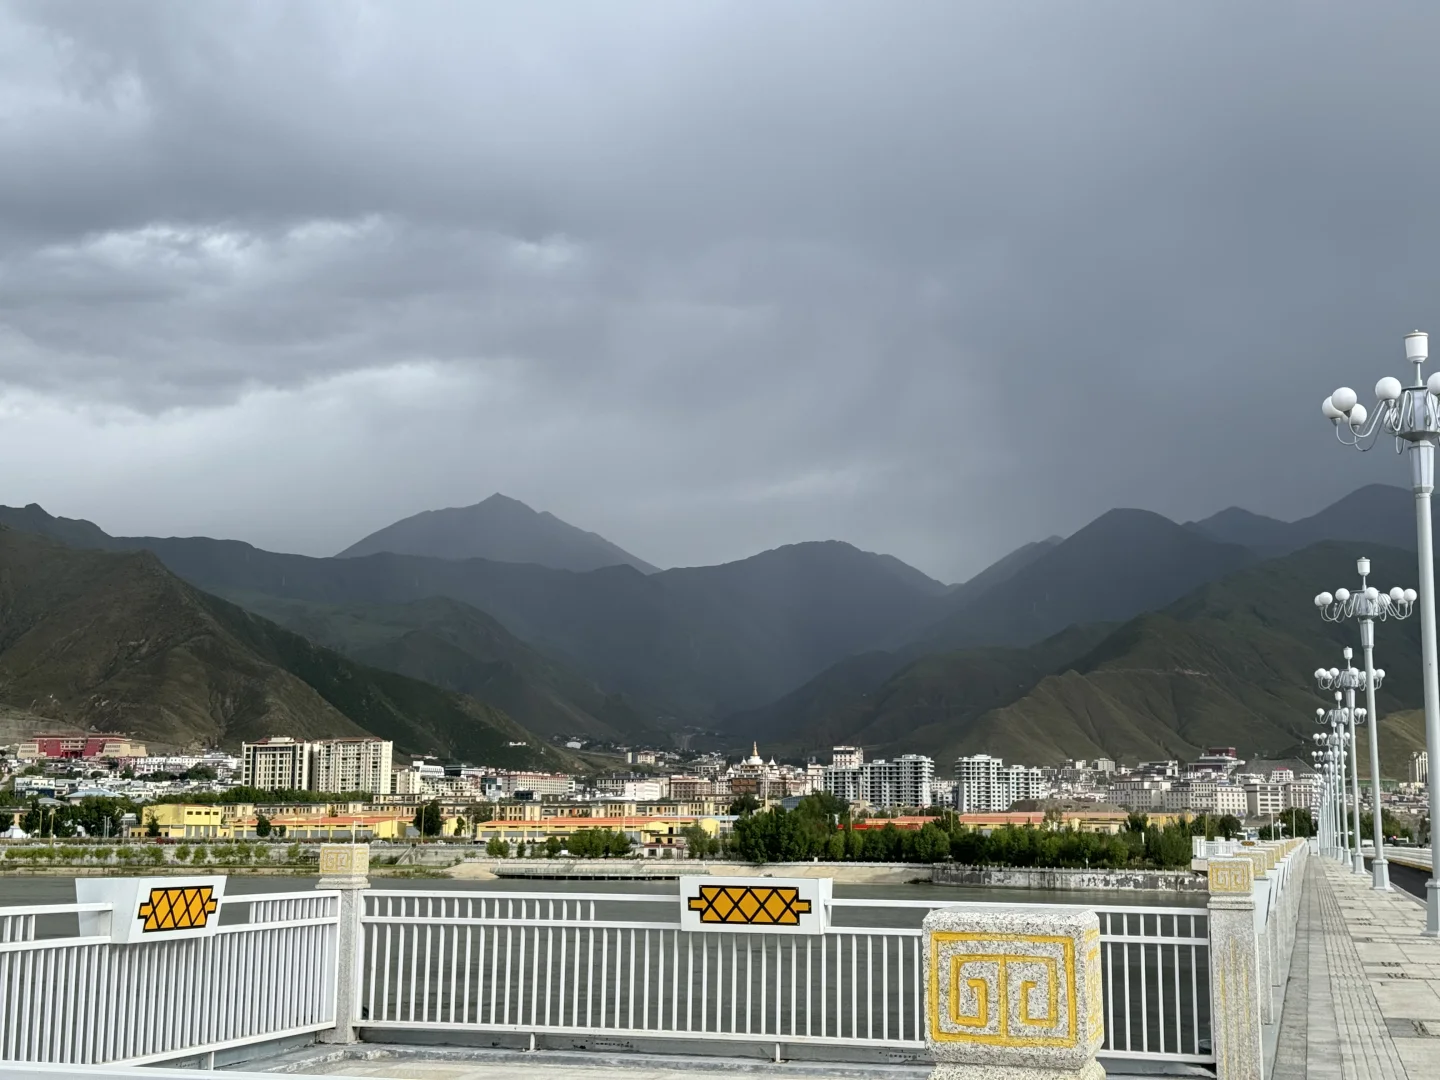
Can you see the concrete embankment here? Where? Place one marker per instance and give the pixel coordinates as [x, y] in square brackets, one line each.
[1011, 877]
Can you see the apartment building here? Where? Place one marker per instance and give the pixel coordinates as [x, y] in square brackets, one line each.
[362, 764]
[886, 785]
[904, 781]
[979, 785]
[1263, 799]
[985, 784]
[278, 763]
[282, 763]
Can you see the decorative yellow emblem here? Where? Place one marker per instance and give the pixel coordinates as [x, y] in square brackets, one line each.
[982, 968]
[1094, 981]
[186, 908]
[750, 905]
[1231, 875]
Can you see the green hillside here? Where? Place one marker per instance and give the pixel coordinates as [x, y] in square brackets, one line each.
[460, 648]
[115, 642]
[1228, 664]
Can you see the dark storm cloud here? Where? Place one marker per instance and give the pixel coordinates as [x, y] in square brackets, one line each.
[935, 278]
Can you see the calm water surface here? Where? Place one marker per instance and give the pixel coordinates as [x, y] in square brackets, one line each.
[61, 890]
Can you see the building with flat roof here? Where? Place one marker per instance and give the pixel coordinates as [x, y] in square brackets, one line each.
[62, 747]
[278, 763]
[362, 764]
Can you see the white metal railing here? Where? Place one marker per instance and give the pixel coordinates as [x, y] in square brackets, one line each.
[75, 999]
[591, 964]
[1202, 848]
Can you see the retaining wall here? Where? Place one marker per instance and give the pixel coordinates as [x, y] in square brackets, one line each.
[1011, 877]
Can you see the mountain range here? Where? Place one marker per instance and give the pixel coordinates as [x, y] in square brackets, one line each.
[115, 642]
[1075, 646]
[501, 529]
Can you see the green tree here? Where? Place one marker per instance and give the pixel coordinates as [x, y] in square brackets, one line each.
[152, 826]
[262, 825]
[201, 772]
[553, 847]
[459, 826]
[745, 804]
[428, 821]
[497, 848]
[698, 843]
[1391, 826]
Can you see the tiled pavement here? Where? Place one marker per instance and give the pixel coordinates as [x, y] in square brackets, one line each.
[1365, 982]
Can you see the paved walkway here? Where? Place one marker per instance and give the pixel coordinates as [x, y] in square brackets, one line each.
[442, 1063]
[1363, 997]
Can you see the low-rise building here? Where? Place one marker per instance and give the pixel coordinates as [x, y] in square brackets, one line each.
[79, 747]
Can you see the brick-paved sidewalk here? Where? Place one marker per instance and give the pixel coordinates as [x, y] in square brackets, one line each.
[1363, 997]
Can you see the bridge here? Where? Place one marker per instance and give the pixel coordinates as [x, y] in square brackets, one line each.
[1291, 967]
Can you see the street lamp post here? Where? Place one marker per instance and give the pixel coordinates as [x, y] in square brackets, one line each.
[1322, 824]
[1412, 416]
[1367, 605]
[1322, 821]
[1335, 742]
[1345, 682]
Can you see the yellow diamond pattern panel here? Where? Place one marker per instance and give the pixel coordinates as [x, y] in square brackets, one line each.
[183, 908]
[750, 905]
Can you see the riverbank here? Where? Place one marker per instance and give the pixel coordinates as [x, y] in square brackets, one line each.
[177, 870]
[669, 870]
[1012, 877]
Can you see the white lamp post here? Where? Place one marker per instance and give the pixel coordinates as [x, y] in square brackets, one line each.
[1322, 816]
[1345, 681]
[1412, 416]
[1335, 743]
[1367, 605]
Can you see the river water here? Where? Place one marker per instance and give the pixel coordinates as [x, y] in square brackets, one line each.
[61, 890]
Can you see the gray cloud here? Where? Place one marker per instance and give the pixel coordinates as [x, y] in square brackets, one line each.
[933, 278]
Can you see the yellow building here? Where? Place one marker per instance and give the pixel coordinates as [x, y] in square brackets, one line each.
[661, 832]
[319, 821]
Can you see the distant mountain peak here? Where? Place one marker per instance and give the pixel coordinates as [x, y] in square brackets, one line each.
[499, 528]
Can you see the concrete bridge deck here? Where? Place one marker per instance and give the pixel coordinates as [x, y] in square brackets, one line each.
[1363, 997]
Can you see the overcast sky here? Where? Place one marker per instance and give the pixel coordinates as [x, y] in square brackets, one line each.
[934, 278]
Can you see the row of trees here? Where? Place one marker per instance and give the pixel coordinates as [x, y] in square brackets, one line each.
[97, 816]
[583, 844]
[820, 828]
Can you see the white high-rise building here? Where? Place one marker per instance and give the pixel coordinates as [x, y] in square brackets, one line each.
[979, 785]
[278, 763]
[886, 785]
[847, 757]
[903, 782]
[1418, 771]
[362, 764]
[1024, 782]
[842, 781]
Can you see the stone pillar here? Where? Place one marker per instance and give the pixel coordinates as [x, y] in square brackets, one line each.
[343, 867]
[1013, 995]
[1263, 939]
[1235, 977]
